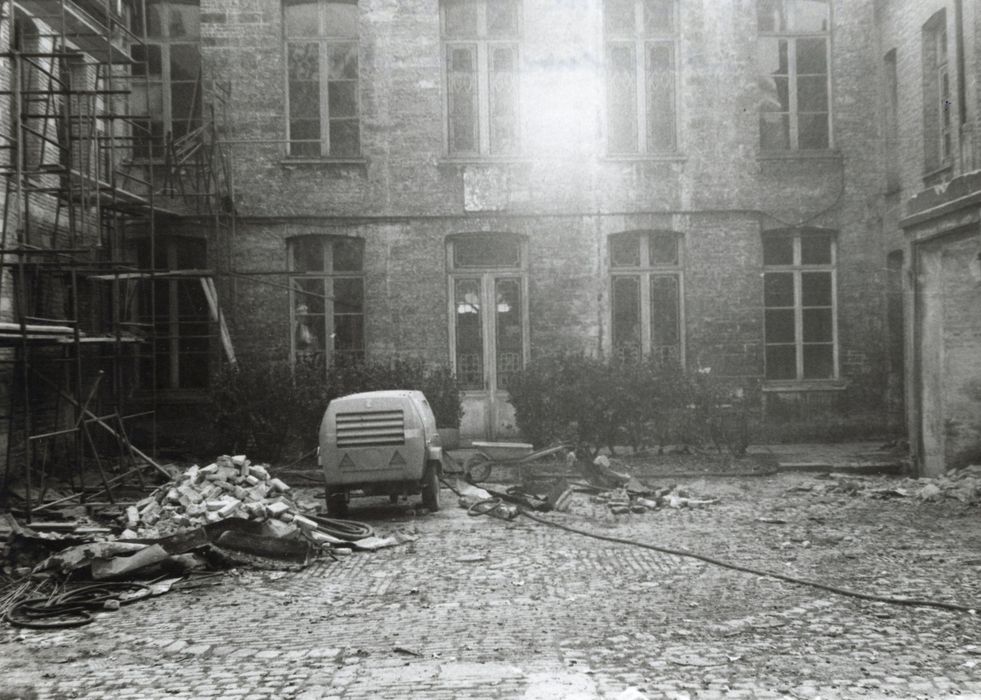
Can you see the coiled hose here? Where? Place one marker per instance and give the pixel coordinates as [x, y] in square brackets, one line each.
[71, 607]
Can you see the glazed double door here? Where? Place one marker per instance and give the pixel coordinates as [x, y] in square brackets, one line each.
[489, 319]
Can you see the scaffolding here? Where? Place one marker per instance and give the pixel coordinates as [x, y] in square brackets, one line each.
[86, 178]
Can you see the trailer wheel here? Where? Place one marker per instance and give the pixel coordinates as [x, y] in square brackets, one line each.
[337, 504]
[430, 487]
[478, 467]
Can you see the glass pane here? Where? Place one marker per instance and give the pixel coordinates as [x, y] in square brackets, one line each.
[348, 255]
[622, 100]
[462, 99]
[776, 94]
[509, 331]
[342, 98]
[778, 289]
[345, 138]
[812, 57]
[184, 20]
[308, 296]
[502, 18]
[342, 19]
[619, 17]
[154, 59]
[660, 97]
[348, 295]
[818, 361]
[486, 251]
[305, 101]
[818, 326]
[815, 250]
[665, 311]
[626, 317]
[771, 57]
[811, 15]
[348, 333]
[781, 362]
[812, 94]
[185, 101]
[503, 102]
[343, 59]
[663, 249]
[460, 18]
[185, 62]
[304, 137]
[308, 334]
[304, 62]
[659, 17]
[816, 288]
[778, 250]
[156, 19]
[469, 343]
[780, 326]
[625, 250]
[302, 18]
[308, 254]
[813, 131]
[771, 15]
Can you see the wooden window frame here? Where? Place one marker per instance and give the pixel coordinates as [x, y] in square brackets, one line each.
[644, 272]
[482, 47]
[798, 269]
[641, 42]
[324, 41]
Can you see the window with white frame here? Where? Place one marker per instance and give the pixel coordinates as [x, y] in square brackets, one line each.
[937, 105]
[646, 299]
[793, 53]
[326, 298]
[641, 105]
[322, 78]
[171, 61]
[800, 311]
[480, 58]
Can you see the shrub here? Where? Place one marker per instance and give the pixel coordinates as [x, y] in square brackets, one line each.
[267, 408]
[602, 403]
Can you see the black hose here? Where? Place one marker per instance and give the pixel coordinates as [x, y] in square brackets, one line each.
[74, 603]
[349, 530]
[913, 602]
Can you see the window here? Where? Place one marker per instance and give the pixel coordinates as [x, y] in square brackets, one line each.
[937, 137]
[171, 62]
[800, 324]
[792, 63]
[322, 75]
[326, 298]
[640, 38]
[480, 53]
[179, 313]
[645, 272]
[890, 121]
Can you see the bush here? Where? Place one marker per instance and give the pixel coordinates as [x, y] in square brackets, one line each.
[265, 409]
[604, 403]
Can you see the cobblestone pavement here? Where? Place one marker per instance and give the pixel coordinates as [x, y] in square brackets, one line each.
[552, 615]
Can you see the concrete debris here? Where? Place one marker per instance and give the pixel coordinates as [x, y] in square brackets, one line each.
[622, 501]
[963, 485]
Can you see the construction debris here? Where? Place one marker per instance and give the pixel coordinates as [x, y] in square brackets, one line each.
[962, 485]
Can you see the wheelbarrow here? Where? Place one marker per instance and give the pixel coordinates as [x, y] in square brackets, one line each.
[504, 454]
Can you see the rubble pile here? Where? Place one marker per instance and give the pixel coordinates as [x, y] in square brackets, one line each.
[622, 501]
[231, 487]
[963, 485]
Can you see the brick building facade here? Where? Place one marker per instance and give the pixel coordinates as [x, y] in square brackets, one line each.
[481, 182]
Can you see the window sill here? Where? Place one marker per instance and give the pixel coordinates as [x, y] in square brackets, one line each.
[483, 160]
[822, 154]
[323, 162]
[774, 385]
[646, 158]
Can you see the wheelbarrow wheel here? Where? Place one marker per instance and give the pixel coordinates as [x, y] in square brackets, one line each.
[478, 467]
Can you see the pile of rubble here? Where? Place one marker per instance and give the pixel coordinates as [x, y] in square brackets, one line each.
[963, 485]
[231, 487]
[622, 501]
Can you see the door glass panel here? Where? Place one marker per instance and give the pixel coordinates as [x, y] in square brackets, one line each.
[508, 329]
[625, 250]
[626, 317]
[665, 318]
[469, 338]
